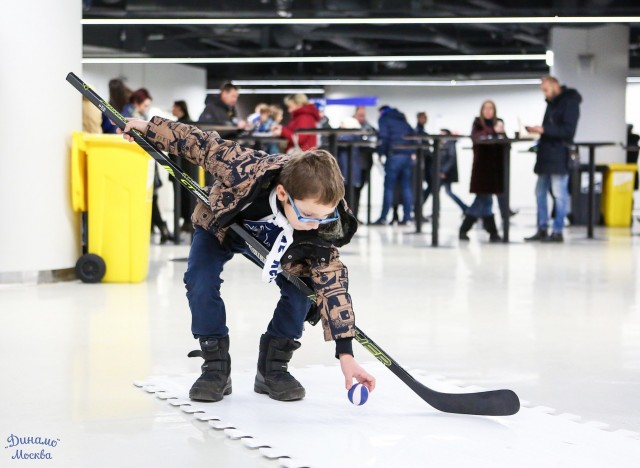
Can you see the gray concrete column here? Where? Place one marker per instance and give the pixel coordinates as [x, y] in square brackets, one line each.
[41, 42]
[595, 61]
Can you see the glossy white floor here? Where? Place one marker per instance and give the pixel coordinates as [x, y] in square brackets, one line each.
[559, 324]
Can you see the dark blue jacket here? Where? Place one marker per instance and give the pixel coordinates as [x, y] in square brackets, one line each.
[559, 123]
[393, 127]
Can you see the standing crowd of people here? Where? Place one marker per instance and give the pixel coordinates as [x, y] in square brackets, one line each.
[394, 150]
[487, 173]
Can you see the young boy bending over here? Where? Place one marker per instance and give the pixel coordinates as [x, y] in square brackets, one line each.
[294, 206]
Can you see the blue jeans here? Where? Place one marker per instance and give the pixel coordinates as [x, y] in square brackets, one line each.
[397, 169]
[447, 189]
[482, 206]
[202, 280]
[559, 185]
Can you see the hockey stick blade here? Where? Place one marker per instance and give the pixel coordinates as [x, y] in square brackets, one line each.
[490, 403]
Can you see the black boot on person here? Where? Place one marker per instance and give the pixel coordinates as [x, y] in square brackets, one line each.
[489, 223]
[272, 377]
[215, 381]
[539, 236]
[165, 235]
[467, 224]
[555, 237]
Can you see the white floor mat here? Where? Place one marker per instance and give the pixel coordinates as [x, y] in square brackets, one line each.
[395, 427]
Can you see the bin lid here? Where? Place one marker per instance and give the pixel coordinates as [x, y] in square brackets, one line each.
[96, 141]
[623, 167]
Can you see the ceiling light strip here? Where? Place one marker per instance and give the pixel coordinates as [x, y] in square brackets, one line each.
[324, 21]
[488, 82]
[275, 90]
[339, 59]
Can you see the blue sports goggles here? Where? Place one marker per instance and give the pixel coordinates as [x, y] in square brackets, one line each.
[304, 219]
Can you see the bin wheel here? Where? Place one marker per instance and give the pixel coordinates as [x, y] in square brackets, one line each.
[90, 268]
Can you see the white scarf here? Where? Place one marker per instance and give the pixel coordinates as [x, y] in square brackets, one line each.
[272, 266]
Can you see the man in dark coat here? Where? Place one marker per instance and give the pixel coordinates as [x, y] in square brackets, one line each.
[221, 109]
[552, 164]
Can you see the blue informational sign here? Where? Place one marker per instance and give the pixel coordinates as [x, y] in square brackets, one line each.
[350, 101]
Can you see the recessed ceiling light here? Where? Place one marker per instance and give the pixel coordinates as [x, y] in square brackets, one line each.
[274, 90]
[326, 21]
[338, 59]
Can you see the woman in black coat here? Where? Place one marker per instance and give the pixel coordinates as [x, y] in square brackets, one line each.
[486, 173]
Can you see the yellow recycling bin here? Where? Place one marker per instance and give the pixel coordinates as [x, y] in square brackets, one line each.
[617, 195]
[112, 183]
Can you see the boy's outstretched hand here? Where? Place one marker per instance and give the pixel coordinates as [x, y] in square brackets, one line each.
[134, 124]
[352, 370]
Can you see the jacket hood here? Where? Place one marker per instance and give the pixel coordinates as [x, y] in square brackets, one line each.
[307, 109]
[569, 94]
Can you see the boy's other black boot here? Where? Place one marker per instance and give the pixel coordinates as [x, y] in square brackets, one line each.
[272, 377]
[215, 381]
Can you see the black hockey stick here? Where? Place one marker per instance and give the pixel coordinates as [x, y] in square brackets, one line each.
[490, 403]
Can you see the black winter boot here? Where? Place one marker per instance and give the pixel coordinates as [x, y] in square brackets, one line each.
[272, 377]
[554, 237]
[489, 223]
[215, 381]
[541, 235]
[165, 235]
[467, 224]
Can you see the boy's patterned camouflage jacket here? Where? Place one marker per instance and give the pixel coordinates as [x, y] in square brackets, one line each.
[240, 175]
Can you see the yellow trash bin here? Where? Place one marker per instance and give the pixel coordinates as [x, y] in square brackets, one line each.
[112, 181]
[617, 196]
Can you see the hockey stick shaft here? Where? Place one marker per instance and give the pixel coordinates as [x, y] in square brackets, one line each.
[493, 403]
[121, 122]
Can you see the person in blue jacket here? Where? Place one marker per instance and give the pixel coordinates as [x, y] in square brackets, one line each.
[393, 127]
[552, 164]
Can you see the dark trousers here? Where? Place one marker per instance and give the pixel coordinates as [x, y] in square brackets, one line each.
[156, 217]
[187, 202]
[202, 280]
[502, 204]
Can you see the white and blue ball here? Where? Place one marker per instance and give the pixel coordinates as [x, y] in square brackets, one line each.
[358, 394]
